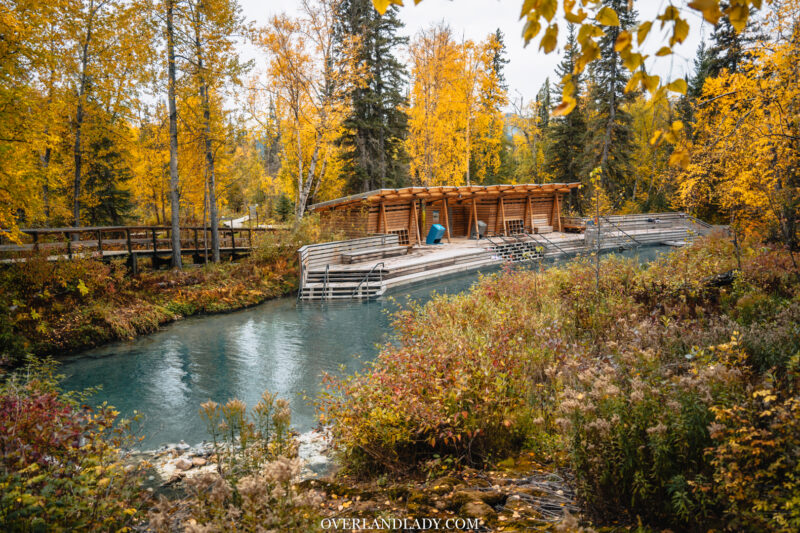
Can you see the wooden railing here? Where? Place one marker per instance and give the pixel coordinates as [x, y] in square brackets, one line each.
[128, 242]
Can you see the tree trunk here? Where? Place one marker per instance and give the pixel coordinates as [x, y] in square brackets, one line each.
[174, 195]
[44, 160]
[205, 101]
[79, 116]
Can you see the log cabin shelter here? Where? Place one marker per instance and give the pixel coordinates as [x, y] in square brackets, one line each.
[411, 211]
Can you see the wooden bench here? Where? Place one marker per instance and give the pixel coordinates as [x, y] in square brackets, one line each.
[358, 256]
[540, 225]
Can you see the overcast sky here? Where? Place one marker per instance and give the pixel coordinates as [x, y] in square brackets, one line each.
[475, 19]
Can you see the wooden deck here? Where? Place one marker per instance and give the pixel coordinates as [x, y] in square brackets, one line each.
[326, 277]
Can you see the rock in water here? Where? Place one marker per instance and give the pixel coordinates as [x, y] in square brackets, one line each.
[183, 464]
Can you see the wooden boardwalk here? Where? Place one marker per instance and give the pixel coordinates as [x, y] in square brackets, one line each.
[328, 274]
[130, 243]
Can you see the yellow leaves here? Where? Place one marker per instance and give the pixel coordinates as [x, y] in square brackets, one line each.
[531, 29]
[568, 100]
[624, 41]
[644, 29]
[679, 158]
[651, 82]
[383, 5]
[709, 8]
[550, 39]
[547, 8]
[677, 86]
[664, 51]
[631, 60]
[565, 107]
[766, 395]
[679, 32]
[607, 17]
[738, 15]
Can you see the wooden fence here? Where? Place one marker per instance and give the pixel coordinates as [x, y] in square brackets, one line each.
[126, 242]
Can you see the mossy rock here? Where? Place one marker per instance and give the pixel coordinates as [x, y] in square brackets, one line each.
[418, 497]
[478, 509]
[489, 497]
[443, 485]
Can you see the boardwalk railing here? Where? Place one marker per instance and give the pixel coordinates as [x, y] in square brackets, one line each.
[642, 221]
[126, 242]
[318, 256]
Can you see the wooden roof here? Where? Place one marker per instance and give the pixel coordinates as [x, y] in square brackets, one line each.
[436, 193]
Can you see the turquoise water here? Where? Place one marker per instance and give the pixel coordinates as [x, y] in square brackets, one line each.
[280, 346]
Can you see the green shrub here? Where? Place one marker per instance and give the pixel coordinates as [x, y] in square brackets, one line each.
[637, 433]
[62, 467]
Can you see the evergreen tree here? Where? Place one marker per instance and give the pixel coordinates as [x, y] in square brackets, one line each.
[499, 59]
[375, 129]
[729, 47]
[284, 208]
[611, 141]
[694, 83]
[566, 135]
[106, 175]
[543, 99]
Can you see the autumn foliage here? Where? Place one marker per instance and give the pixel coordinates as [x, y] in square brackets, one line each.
[668, 396]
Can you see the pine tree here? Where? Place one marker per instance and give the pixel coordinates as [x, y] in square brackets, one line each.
[376, 126]
[566, 135]
[687, 102]
[610, 143]
[544, 104]
[729, 47]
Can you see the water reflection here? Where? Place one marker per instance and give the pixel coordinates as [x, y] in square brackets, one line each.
[278, 346]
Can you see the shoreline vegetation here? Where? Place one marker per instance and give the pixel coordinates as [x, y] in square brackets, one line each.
[59, 308]
[666, 398]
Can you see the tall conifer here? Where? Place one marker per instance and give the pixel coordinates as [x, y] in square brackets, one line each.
[376, 126]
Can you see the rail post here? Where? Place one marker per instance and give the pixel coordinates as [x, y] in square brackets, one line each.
[100, 242]
[35, 242]
[233, 245]
[128, 240]
[69, 245]
[155, 242]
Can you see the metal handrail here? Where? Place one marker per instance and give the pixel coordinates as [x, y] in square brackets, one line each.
[325, 286]
[366, 277]
[619, 228]
[535, 237]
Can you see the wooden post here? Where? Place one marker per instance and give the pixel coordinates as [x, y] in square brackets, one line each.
[233, 243]
[530, 213]
[469, 224]
[128, 240]
[155, 242]
[527, 215]
[36, 242]
[383, 219]
[250, 237]
[497, 216]
[416, 220]
[196, 242]
[553, 211]
[475, 215]
[446, 219]
[503, 215]
[100, 242]
[69, 245]
[410, 222]
[558, 212]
